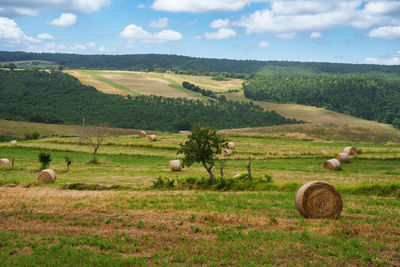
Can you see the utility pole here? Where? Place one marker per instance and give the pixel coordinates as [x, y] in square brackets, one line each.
[83, 121]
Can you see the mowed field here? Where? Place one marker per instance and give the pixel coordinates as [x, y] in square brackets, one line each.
[133, 224]
[136, 83]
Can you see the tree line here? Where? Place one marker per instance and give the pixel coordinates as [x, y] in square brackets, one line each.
[371, 97]
[197, 89]
[229, 68]
[57, 97]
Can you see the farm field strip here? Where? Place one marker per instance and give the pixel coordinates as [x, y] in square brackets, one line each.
[130, 157]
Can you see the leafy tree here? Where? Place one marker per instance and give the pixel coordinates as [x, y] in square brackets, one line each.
[44, 159]
[203, 146]
[12, 66]
[396, 123]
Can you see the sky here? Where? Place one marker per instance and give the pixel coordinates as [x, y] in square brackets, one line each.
[354, 31]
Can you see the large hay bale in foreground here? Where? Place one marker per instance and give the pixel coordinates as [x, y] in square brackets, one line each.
[4, 162]
[231, 145]
[142, 133]
[351, 150]
[46, 176]
[224, 135]
[319, 200]
[175, 165]
[226, 152]
[13, 142]
[343, 157]
[333, 165]
[152, 138]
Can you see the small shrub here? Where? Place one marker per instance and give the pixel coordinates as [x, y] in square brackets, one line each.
[44, 159]
[32, 136]
[163, 183]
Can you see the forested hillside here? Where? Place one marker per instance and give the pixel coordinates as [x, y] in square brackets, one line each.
[192, 65]
[56, 97]
[370, 97]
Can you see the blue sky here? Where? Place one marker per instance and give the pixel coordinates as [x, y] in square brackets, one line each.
[353, 31]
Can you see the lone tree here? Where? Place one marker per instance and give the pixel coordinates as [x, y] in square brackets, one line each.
[203, 146]
[95, 137]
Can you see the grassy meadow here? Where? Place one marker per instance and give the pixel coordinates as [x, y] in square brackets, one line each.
[133, 224]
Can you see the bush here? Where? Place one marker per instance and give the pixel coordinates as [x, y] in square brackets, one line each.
[32, 136]
[44, 159]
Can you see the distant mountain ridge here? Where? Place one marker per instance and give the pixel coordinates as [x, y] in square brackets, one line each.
[191, 65]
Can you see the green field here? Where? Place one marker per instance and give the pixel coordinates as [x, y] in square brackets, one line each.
[256, 225]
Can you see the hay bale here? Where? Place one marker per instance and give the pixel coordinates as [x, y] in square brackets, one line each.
[184, 132]
[175, 165]
[13, 142]
[226, 152]
[343, 157]
[231, 145]
[4, 162]
[152, 138]
[332, 164]
[224, 135]
[319, 200]
[142, 133]
[46, 176]
[351, 150]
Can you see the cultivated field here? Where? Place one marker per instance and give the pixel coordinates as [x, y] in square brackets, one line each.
[135, 83]
[132, 224]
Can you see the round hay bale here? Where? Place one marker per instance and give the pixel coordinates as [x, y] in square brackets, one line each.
[226, 152]
[184, 132]
[231, 145]
[46, 176]
[224, 135]
[175, 165]
[343, 157]
[333, 165]
[142, 133]
[4, 162]
[152, 138]
[13, 142]
[319, 200]
[351, 150]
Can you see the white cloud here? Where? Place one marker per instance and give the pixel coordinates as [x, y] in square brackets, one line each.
[222, 33]
[160, 23]
[315, 35]
[10, 33]
[45, 36]
[141, 6]
[394, 61]
[136, 33]
[370, 60]
[33, 8]
[91, 45]
[201, 6]
[78, 47]
[287, 36]
[264, 44]
[220, 23]
[386, 32]
[316, 15]
[66, 19]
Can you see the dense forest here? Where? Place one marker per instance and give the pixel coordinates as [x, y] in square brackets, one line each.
[56, 97]
[191, 65]
[371, 97]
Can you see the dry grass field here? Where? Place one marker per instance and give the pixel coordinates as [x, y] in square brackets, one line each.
[168, 85]
[312, 114]
[132, 224]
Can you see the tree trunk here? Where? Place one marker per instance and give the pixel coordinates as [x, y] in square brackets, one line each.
[12, 162]
[95, 153]
[209, 170]
[249, 169]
